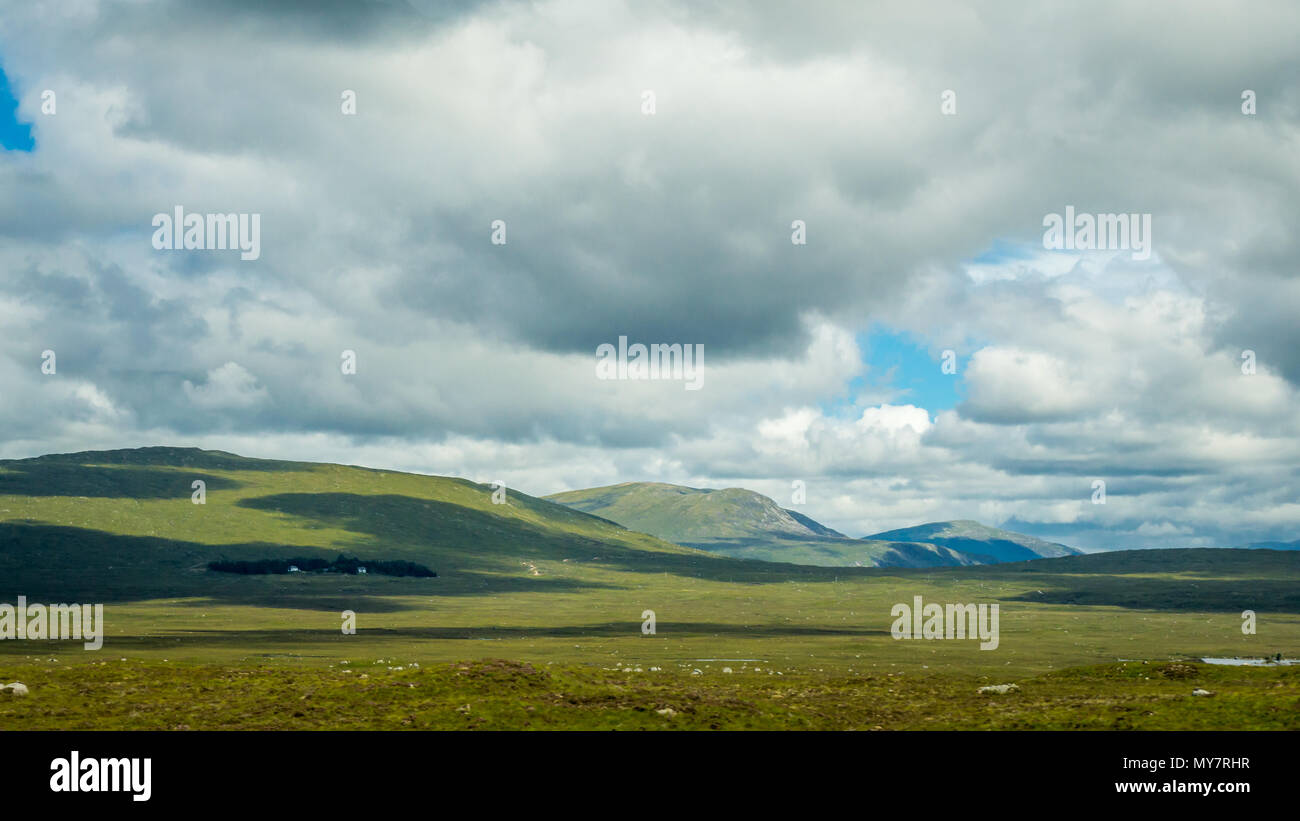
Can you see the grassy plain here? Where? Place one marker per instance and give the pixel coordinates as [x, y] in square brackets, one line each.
[560, 595]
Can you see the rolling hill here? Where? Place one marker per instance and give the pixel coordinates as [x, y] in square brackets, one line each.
[988, 543]
[748, 525]
[122, 525]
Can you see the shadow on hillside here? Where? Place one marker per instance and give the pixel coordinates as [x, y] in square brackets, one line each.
[53, 564]
[1209, 580]
[1182, 595]
[830, 546]
[161, 457]
[54, 479]
[827, 549]
[1207, 561]
[477, 540]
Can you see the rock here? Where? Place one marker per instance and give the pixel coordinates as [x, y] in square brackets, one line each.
[1199, 692]
[667, 711]
[1000, 689]
[17, 688]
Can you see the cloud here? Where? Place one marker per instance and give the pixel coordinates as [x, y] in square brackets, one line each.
[228, 387]
[477, 359]
[1010, 386]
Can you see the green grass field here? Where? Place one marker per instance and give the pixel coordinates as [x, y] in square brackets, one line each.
[493, 694]
[560, 595]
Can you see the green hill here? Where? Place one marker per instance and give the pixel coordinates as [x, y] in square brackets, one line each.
[747, 525]
[990, 544]
[122, 525]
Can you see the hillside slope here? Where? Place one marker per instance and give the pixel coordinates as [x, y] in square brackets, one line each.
[122, 524]
[744, 524]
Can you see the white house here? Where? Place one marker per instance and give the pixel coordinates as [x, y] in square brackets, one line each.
[293, 568]
[361, 571]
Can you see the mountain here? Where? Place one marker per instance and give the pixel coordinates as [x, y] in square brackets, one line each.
[747, 525]
[981, 541]
[813, 525]
[685, 514]
[1273, 545]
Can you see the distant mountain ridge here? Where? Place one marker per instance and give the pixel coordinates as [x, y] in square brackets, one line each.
[744, 524]
[976, 539]
[1295, 545]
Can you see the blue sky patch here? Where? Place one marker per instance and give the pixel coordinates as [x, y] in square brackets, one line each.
[14, 136]
[1003, 250]
[902, 365]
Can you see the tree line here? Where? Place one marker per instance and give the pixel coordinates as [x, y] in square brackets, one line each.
[343, 564]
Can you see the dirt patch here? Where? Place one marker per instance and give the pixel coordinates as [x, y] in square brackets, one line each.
[498, 670]
[1178, 670]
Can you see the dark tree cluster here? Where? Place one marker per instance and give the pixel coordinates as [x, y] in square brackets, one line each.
[349, 565]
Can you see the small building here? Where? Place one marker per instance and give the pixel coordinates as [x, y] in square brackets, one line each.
[361, 571]
[293, 568]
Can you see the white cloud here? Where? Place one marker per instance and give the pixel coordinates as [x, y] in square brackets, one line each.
[230, 386]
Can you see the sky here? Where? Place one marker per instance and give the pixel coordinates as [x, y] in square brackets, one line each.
[823, 361]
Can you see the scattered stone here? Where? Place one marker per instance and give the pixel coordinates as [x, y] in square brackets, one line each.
[667, 711]
[1000, 689]
[1199, 692]
[16, 688]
